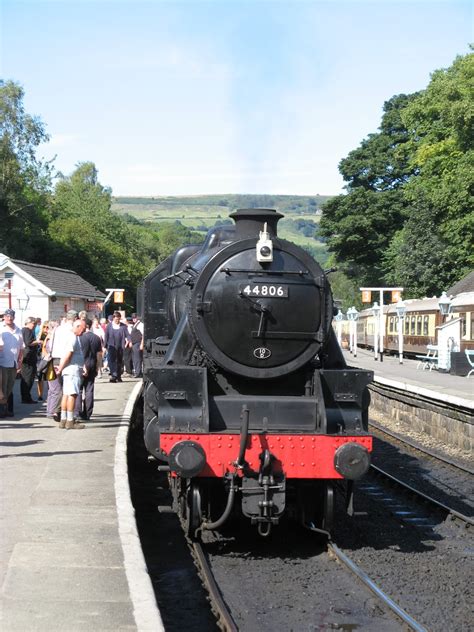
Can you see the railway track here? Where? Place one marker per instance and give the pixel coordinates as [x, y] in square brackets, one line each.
[376, 590]
[253, 585]
[218, 606]
[225, 620]
[417, 446]
[422, 497]
[425, 474]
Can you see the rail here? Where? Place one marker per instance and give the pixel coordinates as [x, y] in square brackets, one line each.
[372, 586]
[218, 605]
[451, 512]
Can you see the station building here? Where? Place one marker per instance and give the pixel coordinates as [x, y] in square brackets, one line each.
[44, 292]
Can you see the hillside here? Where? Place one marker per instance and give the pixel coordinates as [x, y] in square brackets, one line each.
[199, 213]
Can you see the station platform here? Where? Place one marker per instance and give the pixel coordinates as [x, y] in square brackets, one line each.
[453, 389]
[70, 553]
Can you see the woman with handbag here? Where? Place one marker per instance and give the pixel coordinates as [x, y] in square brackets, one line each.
[47, 363]
[43, 358]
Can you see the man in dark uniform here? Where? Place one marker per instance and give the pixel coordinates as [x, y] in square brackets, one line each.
[30, 360]
[127, 352]
[137, 345]
[92, 351]
[116, 339]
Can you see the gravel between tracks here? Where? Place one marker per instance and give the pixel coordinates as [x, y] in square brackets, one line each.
[427, 571]
[289, 582]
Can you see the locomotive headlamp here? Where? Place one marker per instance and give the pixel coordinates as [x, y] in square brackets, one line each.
[187, 458]
[352, 460]
[264, 246]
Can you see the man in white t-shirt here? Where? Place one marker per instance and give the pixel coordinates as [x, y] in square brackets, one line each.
[11, 357]
[72, 369]
[58, 347]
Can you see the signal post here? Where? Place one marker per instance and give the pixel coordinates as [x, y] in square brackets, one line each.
[396, 293]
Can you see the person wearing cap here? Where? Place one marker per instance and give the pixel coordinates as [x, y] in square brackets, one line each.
[136, 337]
[60, 338]
[11, 357]
[30, 358]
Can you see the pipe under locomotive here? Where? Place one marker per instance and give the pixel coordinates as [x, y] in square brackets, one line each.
[248, 402]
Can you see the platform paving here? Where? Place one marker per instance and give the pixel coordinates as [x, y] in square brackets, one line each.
[454, 389]
[70, 554]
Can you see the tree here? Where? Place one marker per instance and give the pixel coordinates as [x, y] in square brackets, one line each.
[408, 216]
[360, 224]
[435, 248]
[24, 180]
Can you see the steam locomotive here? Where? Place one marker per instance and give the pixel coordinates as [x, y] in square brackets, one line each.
[248, 402]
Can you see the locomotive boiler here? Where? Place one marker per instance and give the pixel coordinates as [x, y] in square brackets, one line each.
[248, 402]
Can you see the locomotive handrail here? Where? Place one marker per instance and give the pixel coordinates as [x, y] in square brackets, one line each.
[254, 271]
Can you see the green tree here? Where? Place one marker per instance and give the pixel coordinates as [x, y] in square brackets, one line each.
[24, 180]
[441, 126]
[407, 218]
[360, 224]
[86, 236]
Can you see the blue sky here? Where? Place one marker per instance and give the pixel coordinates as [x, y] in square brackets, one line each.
[252, 96]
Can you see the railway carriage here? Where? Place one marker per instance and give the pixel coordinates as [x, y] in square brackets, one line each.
[422, 317]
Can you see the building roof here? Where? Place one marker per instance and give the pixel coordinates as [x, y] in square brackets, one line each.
[62, 282]
[466, 284]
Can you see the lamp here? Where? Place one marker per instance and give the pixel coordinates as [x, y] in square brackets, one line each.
[444, 304]
[400, 308]
[22, 300]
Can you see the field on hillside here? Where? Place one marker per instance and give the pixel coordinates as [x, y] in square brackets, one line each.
[302, 214]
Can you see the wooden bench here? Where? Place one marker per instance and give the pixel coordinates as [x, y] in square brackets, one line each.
[430, 360]
[470, 358]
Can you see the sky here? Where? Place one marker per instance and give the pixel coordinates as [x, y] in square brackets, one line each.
[192, 97]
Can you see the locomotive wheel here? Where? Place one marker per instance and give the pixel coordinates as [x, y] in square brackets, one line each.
[191, 511]
[317, 506]
[327, 517]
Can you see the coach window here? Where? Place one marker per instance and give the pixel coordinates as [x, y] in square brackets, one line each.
[418, 325]
[463, 325]
[425, 325]
[412, 326]
[391, 325]
[472, 325]
[407, 326]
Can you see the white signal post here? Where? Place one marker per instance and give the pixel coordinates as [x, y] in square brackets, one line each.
[110, 291]
[339, 318]
[378, 339]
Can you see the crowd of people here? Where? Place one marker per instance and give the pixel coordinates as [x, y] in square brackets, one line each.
[67, 355]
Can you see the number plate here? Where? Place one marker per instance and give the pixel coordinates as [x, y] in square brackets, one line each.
[265, 290]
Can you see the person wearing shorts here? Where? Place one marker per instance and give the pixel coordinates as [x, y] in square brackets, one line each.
[72, 369]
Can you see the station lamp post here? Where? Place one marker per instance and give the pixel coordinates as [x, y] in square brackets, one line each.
[339, 317]
[376, 313]
[352, 316]
[400, 308]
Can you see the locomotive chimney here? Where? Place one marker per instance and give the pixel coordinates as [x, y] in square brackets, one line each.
[249, 222]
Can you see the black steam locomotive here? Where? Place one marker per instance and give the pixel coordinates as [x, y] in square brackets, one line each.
[248, 402]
